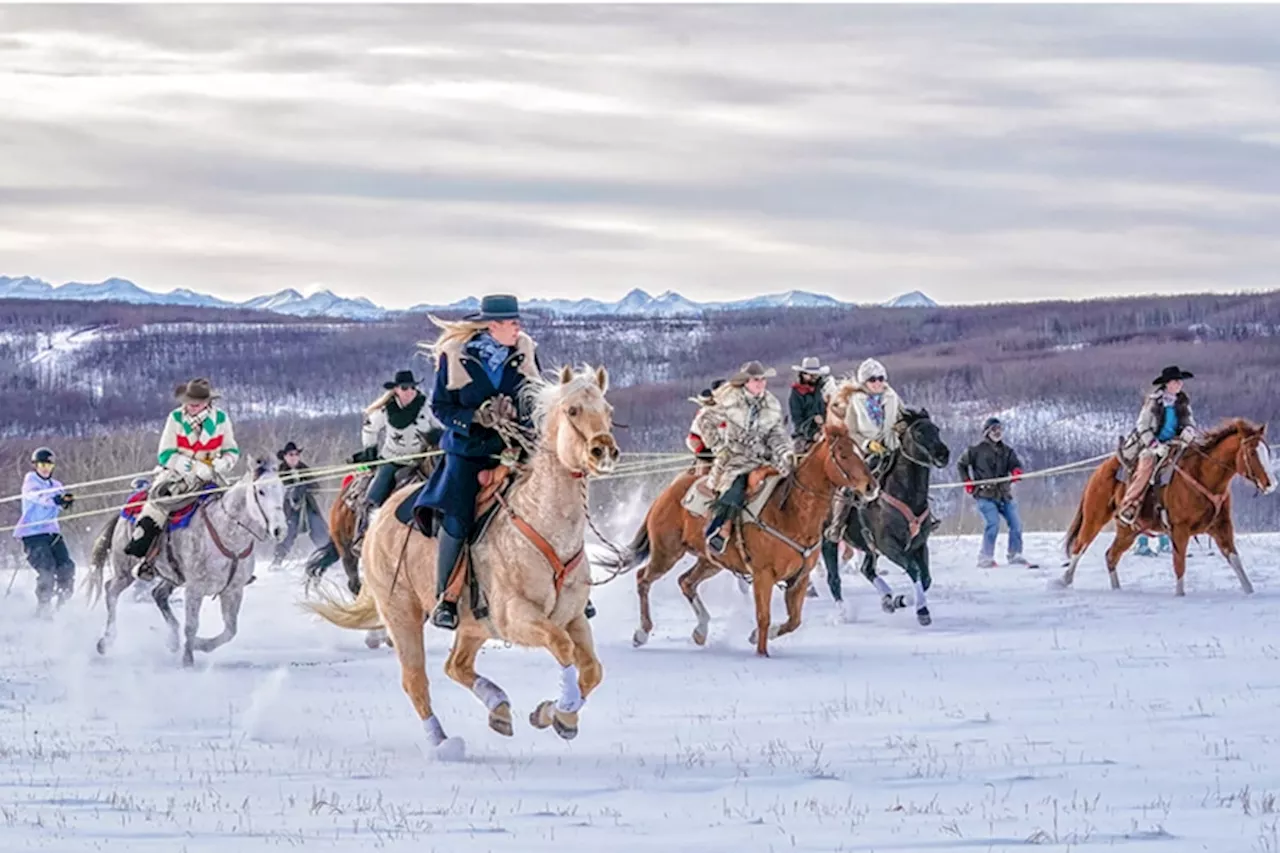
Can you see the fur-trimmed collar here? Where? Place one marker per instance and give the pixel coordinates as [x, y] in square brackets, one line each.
[459, 378]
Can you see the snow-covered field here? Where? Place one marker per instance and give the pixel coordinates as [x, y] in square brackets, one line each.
[1026, 717]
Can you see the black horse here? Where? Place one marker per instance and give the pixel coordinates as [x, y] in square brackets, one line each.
[898, 523]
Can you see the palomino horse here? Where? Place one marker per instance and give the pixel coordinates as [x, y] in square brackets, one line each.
[213, 556]
[898, 524]
[780, 546]
[530, 564]
[1197, 499]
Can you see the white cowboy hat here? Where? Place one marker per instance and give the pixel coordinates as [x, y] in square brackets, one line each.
[811, 364]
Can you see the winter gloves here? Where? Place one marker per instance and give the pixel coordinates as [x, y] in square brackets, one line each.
[495, 410]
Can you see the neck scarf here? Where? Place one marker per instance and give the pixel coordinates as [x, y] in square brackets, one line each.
[875, 408]
[491, 354]
[1168, 399]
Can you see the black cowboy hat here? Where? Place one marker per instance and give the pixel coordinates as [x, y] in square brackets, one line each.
[288, 448]
[499, 306]
[1171, 373]
[403, 377]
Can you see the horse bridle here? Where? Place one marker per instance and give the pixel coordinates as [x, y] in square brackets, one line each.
[266, 522]
[1250, 458]
[932, 463]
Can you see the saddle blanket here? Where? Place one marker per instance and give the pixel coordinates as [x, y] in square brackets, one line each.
[699, 499]
[178, 519]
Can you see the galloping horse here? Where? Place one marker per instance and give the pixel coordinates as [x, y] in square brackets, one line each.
[779, 546]
[530, 564]
[1196, 500]
[212, 556]
[344, 516]
[899, 523]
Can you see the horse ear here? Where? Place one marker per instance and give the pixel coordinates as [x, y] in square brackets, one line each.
[602, 379]
[261, 466]
[566, 375]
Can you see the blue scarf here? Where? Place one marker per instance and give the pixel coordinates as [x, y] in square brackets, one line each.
[875, 408]
[491, 355]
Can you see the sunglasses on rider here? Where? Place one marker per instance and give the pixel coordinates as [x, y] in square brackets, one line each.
[875, 379]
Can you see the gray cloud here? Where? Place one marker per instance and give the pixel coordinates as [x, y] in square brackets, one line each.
[420, 152]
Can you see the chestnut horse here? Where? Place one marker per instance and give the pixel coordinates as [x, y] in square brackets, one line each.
[781, 546]
[1196, 500]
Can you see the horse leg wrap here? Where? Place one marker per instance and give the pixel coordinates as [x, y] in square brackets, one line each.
[489, 693]
[570, 699]
[881, 585]
[921, 601]
[435, 731]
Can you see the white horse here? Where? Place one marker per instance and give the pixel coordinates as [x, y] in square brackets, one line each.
[212, 556]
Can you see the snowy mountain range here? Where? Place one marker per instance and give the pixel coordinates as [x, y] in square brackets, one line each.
[325, 303]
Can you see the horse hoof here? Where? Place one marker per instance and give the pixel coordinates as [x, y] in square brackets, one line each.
[923, 617]
[171, 644]
[450, 749]
[540, 717]
[375, 638]
[565, 725]
[700, 636]
[639, 638]
[1063, 582]
[886, 604]
[102, 647]
[500, 720]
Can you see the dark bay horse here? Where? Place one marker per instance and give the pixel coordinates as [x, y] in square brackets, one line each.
[898, 524]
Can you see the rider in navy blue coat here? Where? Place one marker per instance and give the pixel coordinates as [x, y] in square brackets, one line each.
[482, 364]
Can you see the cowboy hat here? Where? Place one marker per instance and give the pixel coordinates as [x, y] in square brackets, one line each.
[288, 448]
[403, 377]
[195, 391]
[811, 364]
[752, 370]
[1169, 374]
[499, 306]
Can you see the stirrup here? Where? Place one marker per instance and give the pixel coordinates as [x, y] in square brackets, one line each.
[144, 571]
[445, 615]
[716, 542]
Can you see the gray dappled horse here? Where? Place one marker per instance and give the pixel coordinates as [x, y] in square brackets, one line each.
[212, 556]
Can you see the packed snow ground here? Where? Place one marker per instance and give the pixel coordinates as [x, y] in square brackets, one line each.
[1024, 717]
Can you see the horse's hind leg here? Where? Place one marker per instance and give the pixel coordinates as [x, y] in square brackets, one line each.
[230, 601]
[1091, 523]
[1223, 532]
[404, 617]
[191, 626]
[1125, 536]
[689, 583]
[461, 667]
[120, 581]
[160, 593]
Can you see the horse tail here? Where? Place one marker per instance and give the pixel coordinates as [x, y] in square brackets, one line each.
[1076, 523]
[636, 552]
[98, 558]
[360, 615]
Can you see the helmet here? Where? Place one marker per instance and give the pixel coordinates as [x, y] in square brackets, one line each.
[42, 454]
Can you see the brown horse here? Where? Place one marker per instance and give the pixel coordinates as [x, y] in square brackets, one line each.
[781, 546]
[1196, 500]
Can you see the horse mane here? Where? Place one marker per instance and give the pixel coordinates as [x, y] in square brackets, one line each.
[839, 402]
[542, 395]
[1212, 438]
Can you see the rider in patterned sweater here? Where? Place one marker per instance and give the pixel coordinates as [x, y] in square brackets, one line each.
[197, 446]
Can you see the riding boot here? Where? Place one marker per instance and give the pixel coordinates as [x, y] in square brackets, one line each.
[144, 536]
[590, 610]
[839, 517]
[1131, 503]
[449, 548]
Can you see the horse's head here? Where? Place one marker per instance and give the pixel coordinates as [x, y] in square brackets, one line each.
[921, 441]
[577, 420]
[264, 499]
[1253, 459]
[844, 465]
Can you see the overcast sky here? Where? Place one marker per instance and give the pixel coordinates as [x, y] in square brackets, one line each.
[424, 153]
